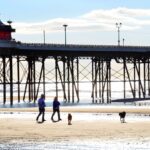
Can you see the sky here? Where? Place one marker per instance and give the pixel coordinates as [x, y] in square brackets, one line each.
[89, 21]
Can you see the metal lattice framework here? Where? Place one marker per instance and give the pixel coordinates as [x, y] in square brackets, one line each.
[28, 69]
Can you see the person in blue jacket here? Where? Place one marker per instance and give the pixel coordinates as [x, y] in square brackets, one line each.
[56, 105]
[41, 104]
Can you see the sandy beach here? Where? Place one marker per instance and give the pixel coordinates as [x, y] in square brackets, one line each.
[97, 127]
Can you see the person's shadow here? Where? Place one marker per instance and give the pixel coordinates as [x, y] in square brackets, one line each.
[40, 122]
[54, 121]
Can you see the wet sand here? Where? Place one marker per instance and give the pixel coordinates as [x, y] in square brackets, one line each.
[87, 109]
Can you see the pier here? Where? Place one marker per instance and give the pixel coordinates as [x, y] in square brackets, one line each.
[68, 67]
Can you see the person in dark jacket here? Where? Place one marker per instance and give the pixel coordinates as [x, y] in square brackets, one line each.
[56, 105]
[41, 104]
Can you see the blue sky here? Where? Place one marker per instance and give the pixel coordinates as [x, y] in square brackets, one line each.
[36, 10]
[89, 21]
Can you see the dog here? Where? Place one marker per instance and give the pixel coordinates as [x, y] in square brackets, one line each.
[69, 119]
[122, 116]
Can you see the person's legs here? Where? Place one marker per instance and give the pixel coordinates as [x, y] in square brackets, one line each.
[40, 112]
[58, 115]
[43, 115]
[53, 115]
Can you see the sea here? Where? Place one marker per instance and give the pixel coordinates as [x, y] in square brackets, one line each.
[117, 96]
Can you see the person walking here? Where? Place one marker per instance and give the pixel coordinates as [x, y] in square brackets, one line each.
[41, 104]
[56, 105]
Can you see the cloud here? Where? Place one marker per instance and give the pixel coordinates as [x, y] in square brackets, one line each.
[131, 18]
[97, 20]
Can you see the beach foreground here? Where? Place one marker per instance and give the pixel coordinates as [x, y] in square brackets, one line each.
[95, 130]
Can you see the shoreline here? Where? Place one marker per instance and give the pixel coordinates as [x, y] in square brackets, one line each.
[86, 109]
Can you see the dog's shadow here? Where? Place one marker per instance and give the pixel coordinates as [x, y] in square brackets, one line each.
[124, 122]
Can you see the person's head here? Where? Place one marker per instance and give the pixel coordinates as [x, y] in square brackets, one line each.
[42, 96]
[55, 98]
